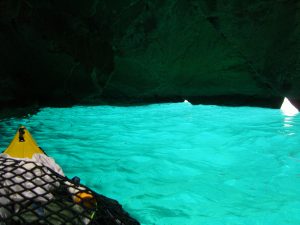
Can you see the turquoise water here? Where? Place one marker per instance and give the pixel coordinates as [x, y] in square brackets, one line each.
[178, 164]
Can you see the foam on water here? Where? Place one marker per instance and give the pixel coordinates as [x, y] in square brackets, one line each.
[177, 164]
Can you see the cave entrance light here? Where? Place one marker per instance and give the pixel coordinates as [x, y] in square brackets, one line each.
[288, 109]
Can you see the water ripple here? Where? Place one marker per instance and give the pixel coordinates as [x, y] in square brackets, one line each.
[177, 164]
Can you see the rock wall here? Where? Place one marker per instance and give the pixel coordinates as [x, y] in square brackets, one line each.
[207, 51]
[52, 52]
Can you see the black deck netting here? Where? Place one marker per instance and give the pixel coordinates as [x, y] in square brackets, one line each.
[34, 194]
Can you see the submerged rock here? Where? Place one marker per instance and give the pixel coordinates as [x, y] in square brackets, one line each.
[150, 51]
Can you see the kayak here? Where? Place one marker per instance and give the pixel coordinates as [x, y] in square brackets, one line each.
[32, 191]
[23, 145]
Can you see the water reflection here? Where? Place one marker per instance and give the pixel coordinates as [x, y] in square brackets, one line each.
[288, 124]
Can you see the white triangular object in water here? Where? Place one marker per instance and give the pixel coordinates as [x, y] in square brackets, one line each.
[288, 109]
[186, 101]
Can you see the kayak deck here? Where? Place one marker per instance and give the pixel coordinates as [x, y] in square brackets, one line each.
[32, 193]
[23, 145]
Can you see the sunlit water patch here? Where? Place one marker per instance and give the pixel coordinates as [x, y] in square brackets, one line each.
[178, 164]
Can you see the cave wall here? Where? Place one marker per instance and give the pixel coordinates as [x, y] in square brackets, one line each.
[52, 52]
[201, 50]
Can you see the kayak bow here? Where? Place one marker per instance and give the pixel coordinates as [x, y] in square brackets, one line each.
[23, 145]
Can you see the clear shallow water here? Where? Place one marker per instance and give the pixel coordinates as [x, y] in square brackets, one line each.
[177, 164]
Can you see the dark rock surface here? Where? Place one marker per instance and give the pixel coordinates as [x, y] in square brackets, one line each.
[228, 52]
[52, 52]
